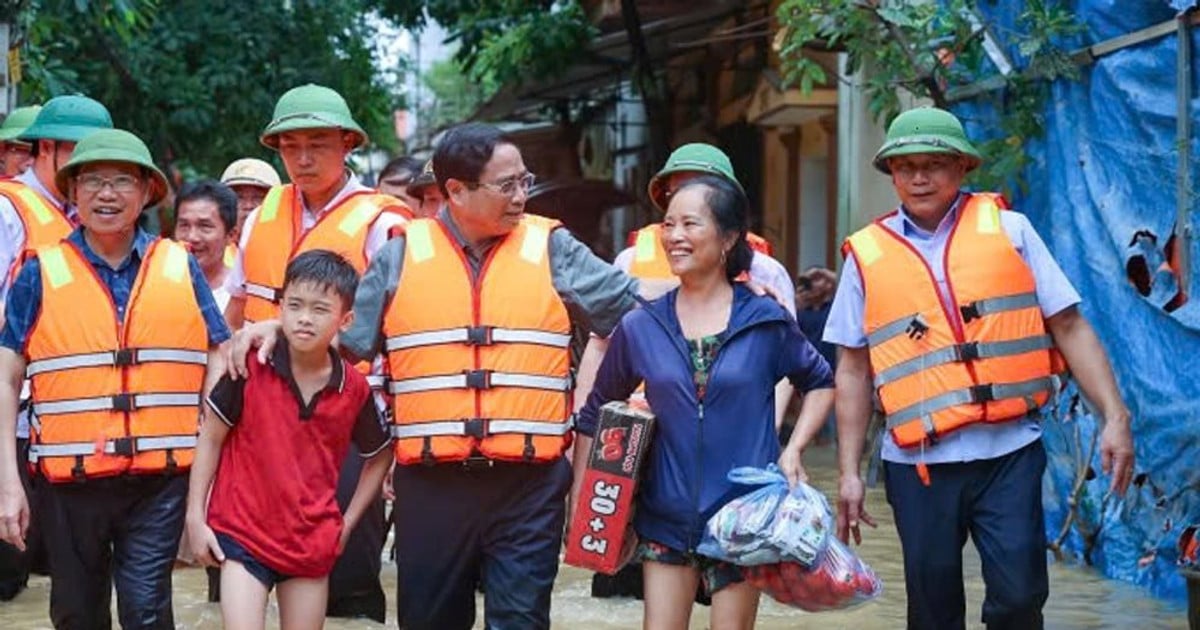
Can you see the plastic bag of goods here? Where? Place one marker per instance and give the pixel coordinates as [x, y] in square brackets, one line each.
[783, 539]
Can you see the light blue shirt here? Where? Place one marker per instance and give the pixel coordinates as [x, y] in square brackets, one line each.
[1054, 293]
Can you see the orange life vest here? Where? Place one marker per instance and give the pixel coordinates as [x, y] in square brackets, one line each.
[43, 223]
[760, 244]
[650, 258]
[277, 237]
[479, 366]
[114, 397]
[938, 366]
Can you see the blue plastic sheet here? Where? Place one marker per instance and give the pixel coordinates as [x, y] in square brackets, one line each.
[1105, 171]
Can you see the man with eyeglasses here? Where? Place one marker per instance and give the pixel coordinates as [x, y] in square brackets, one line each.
[324, 207]
[115, 328]
[951, 316]
[33, 213]
[480, 311]
[17, 154]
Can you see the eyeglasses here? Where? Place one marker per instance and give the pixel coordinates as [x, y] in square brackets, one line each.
[908, 170]
[508, 187]
[92, 183]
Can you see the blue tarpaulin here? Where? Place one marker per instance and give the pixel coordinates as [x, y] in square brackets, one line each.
[1104, 172]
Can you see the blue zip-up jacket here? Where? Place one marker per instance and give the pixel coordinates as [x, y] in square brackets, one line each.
[696, 443]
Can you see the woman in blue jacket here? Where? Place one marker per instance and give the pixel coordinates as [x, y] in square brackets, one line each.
[709, 353]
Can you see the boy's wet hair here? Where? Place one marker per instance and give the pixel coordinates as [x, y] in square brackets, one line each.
[325, 270]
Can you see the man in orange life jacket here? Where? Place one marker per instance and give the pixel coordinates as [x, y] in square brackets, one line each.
[478, 311]
[325, 207]
[115, 329]
[33, 213]
[951, 314]
[250, 179]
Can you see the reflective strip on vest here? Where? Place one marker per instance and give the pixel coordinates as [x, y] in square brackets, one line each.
[41, 212]
[989, 306]
[270, 294]
[970, 351]
[980, 308]
[493, 427]
[84, 449]
[890, 330]
[117, 358]
[120, 402]
[973, 395]
[479, 379]
[376, 381]
[482, 335]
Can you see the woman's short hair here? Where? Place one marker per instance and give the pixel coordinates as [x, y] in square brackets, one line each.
[731, 209]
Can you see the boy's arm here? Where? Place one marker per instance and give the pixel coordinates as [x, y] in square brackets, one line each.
[223, 410]
[369, 483]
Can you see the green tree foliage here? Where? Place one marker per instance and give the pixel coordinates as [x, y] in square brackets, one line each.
[455, 96]
[503, 40]
[930, 47]
[198, 79]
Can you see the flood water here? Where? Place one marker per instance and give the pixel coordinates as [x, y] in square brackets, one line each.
[1079, 597]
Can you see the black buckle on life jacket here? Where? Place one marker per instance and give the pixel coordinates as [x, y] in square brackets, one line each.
[124, 357]
[475, 427]
[479, 336]
[78, 474]
[917, 327]
[122, 402]
[967, 351]
[124, 447]
[529, 451]
[479, 379]
[982, 393]
[969, 312]
[427, 457]
[172, 466]
[476, 463]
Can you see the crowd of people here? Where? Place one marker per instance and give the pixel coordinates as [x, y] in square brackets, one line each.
[245, 394]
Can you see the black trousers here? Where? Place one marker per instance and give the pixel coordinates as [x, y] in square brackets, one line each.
[121, 531]
[457, 527]
[999, 503]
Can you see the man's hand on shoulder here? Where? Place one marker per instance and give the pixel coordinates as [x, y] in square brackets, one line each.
[261, 335]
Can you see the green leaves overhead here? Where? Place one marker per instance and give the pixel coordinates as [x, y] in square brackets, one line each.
[198, 79]
[929, 48]
[503, 40]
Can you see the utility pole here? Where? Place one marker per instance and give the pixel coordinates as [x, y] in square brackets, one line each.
[8, 69]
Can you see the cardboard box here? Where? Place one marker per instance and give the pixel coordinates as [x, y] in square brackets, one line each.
[604, 507]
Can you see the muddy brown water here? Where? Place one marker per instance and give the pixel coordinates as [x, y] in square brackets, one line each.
[1079, 596]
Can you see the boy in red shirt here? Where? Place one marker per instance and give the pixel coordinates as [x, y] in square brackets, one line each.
[273, 516]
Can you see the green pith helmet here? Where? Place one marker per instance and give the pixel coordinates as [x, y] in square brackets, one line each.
[926, 130]
[696, 157]
[17, 121]
[67, 118]
[113, 145]
[311, 107]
